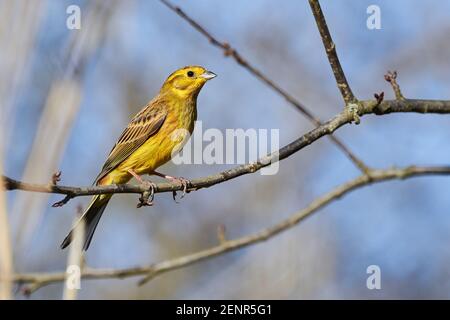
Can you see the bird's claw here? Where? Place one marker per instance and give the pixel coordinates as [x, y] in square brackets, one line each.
[143, 202]
[184, 183]
[62, 202]
[174, 195]
[147, 197]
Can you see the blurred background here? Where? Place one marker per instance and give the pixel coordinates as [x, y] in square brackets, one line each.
[66, 96]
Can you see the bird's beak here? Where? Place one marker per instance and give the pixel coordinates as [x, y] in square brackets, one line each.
[208, 75]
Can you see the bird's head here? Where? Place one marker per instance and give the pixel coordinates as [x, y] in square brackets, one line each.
[187, 81]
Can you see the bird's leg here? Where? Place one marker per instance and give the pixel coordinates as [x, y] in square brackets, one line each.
[182, 181]
[147, 197]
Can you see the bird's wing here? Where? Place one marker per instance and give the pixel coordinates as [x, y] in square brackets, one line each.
[144, 125]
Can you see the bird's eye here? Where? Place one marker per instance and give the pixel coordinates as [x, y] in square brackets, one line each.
[190, 74]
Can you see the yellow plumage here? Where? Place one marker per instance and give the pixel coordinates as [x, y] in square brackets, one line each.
[152, 137]
[157, 150]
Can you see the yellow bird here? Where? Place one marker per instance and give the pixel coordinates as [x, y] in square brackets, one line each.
[149, 140]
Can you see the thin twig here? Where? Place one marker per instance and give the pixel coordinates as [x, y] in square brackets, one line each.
[330, 49]
[39, 280]
[229, 51]
[391, 77]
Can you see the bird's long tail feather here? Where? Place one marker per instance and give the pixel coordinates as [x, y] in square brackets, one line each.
[90, 218]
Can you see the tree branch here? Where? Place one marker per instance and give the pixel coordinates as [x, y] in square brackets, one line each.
[330, 49]
[327, 128]
[38, 280]
[391, 77]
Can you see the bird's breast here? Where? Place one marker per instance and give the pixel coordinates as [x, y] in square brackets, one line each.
[167, 142]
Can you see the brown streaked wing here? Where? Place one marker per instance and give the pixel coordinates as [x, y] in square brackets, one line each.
[144, 125]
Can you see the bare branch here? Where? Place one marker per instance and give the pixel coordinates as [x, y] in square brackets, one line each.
[56, 177]
[229, 51]
[327, 128]
[38, 280]
[330, 49]
[391, 77]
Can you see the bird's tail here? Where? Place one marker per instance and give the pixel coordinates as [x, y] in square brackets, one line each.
[90, 218]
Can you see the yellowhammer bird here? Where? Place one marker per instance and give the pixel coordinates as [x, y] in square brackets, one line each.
[148, 141]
